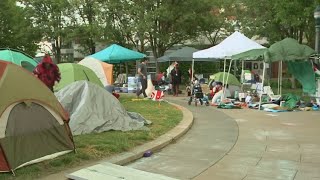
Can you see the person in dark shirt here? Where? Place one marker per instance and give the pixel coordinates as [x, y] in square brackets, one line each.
[142, 71]
[176, 79]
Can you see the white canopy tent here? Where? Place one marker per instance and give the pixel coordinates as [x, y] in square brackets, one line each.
[234, 44]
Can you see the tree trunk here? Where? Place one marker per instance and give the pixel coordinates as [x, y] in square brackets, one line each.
[93, 47]
[58, 54]
[293, 82]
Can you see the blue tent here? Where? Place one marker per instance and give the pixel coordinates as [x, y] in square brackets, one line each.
[117, 54]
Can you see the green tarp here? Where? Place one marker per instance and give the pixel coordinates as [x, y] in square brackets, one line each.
[18, 58]
[254, 54]
[296, 56]
[232, 80]
[291, 100]
[71, 72]
[303, 72]
[183, 54]
[115, 54]
[288, 50]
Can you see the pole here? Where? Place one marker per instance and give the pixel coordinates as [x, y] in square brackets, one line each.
[224, 68]
[127, 71]
[263, 74]
[226, 83]
[317, 43]
[281, 78]
[242, 75]
[279, 67]
[316, 16]
[192, 70]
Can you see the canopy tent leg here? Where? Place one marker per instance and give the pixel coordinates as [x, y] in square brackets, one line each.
[242, 75]
[263, 77]
[192, 70]
[224, 69]
[127, 71]
[279, 66]
[281, 78]
[226, 82]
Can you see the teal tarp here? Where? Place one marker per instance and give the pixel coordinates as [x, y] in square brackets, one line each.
[117, 54]
[303, 72]
[183, 54]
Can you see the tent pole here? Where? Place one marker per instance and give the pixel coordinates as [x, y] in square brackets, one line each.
[263, 76]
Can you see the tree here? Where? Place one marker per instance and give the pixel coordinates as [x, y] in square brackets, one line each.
[87, 25]
[161, 24]
[277, 20]
[219, 22]
[16, 31]
[51, 18]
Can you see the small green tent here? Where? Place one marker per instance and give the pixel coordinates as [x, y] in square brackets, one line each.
[18, 58]
[232, 80]
[71, 72]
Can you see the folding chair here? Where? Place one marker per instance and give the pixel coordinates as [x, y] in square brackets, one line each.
[269, 92]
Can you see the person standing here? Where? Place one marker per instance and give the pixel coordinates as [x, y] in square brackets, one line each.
[142, 71]
[47, 72]
[176, 79]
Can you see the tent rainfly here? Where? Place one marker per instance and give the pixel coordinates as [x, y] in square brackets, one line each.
[71, 72]
[33, 124]
[104, 71]
[18, 58]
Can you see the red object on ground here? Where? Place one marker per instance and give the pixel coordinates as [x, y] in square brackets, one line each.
[47, 76]
[116, 95]
[157, 95]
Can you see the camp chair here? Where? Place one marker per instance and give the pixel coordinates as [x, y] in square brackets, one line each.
[269, 92]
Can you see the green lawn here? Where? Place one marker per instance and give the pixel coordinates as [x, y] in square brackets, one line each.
[94, 147]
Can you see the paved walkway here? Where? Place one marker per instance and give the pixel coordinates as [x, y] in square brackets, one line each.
[269, 146]
[211, 137]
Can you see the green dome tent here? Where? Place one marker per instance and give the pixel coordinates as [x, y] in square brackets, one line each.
[71, 72]
[232, 80]
[18, 58]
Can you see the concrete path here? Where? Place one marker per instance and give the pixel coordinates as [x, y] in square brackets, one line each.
[271, 146]
[211, 137]
[284, 146]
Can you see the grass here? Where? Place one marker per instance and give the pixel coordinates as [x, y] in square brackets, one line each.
[93, 147]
